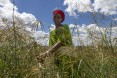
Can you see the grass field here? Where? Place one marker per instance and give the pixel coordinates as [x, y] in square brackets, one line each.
[77, 62]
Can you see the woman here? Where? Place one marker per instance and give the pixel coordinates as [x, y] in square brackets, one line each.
[61, 32]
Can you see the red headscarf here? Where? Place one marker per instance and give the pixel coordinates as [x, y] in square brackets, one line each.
[59, 12]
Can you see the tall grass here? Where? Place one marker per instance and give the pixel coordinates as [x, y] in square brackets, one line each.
[17, 52]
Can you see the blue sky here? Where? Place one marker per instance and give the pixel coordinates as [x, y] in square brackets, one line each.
[42, 10]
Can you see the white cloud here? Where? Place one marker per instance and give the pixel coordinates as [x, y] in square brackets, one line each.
[42, 38]
[6, 12]
[91, 33]
[106, 6]
[77, 5]
[52, 27]
[3, 2]
[72, 26]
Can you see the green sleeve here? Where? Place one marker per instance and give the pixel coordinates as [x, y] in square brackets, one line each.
[50, 39]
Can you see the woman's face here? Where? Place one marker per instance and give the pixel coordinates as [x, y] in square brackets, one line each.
[57, 19]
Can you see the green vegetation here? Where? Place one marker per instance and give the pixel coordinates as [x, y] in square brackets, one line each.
[18, 53]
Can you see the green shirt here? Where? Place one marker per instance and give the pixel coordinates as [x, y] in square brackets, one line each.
[62, 34]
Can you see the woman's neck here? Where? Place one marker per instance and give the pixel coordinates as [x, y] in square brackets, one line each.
[58, 26]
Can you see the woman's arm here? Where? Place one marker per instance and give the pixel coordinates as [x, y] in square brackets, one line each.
[50, 39]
